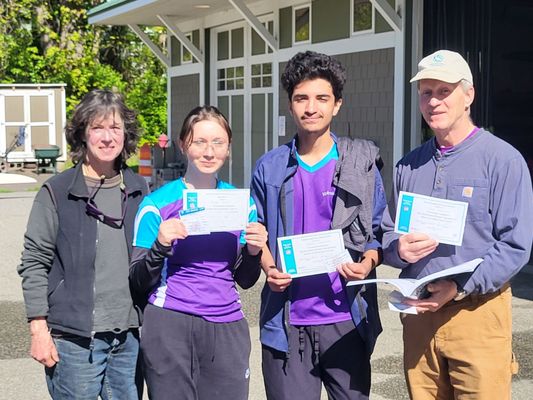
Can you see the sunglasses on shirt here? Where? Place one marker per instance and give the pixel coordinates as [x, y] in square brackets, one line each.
[93, 210]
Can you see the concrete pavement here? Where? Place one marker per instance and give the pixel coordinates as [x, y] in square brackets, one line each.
[21, 378]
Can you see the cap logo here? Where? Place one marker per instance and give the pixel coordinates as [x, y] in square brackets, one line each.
[438, 58]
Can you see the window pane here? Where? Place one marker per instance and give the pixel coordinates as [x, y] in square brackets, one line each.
[187, 56]
[258, 44]
[221, 85]
[239, 83]
[256, 82]
[267, 68]
[362, 15]
[223, 45]
[256, 69]
[230, 72]
[239, 72]
[301, 24]
[267, 81]
[237, 43]
[231, 84]
[221, 73]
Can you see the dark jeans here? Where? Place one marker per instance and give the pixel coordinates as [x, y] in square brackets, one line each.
[332, 354]
[107, 371]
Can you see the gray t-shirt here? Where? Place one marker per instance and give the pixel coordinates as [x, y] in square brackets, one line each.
[113, 306]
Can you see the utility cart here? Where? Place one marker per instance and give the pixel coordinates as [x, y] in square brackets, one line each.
[46, 158]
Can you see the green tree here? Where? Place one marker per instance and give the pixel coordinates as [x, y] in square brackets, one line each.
[51, 41]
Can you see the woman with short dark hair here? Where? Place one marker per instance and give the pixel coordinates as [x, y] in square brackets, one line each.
[83, 319]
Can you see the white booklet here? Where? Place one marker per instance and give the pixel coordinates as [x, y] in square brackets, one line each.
[416, 288]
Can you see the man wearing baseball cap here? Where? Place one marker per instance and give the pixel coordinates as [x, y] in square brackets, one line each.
[459, 344]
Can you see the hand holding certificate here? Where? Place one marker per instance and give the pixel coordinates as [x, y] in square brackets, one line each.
[312, 253]
[226, 210]
[195, 221]
[441, 219]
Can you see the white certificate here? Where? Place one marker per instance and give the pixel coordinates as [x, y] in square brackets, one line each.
[195, 221]
[311, 253]
[442, 220]
[226, 210]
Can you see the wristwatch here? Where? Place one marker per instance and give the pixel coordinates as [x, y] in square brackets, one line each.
[461, 293]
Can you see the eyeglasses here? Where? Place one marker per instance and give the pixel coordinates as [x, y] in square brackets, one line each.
[218, 146]
[93, 210]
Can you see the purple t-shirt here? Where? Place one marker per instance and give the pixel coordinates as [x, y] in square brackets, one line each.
[318, 299]
[198, 278]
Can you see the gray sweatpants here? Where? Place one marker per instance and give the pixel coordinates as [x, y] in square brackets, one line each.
[188, 358]
[332, 354]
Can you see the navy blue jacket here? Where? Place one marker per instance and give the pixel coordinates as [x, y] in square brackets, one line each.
[359, 205]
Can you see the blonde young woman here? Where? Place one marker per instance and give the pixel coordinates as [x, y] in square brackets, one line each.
[195, 340]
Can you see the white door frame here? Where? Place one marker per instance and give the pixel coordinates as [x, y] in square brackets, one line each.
[27, 154]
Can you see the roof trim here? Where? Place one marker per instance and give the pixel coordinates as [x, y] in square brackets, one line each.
[107, 5]
[31, 85]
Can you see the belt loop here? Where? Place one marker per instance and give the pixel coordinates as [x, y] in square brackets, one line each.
[316, 346]
[301, 342]
[91, 347]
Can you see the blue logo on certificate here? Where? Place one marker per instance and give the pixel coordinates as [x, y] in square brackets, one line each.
[288, 256]
[192, 200]
[406, 207]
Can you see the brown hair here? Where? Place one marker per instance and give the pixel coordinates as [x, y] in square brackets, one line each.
[202, 113]
[98, 103]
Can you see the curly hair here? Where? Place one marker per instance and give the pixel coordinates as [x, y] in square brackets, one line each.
[95, 104]
[202, 113]
[311, 65]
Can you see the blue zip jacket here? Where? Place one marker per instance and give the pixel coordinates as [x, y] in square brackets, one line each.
[359, 204]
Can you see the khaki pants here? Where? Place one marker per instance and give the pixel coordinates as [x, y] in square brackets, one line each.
[463, 351]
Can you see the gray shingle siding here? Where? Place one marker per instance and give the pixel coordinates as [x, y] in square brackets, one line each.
[368, 103]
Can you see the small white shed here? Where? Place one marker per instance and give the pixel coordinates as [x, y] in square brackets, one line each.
[40, 110]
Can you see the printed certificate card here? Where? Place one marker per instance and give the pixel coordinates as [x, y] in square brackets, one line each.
[311, 253]
[195, 221]
[226, 210]
[441, 219]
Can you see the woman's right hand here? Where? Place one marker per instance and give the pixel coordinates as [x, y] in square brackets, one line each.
[43, 348]
[170, 230]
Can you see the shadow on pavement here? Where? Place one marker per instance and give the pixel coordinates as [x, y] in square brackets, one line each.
[522, 283]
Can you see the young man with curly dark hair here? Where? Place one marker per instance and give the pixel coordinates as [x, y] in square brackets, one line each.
[82, 316]
[315, 330]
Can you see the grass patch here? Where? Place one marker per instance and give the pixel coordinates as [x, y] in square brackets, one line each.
[5, 190]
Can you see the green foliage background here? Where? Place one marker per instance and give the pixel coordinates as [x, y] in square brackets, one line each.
[52, 42]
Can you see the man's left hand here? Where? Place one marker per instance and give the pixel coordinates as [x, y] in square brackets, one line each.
[442, 292]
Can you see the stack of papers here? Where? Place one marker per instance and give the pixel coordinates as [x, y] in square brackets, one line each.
[415, 288]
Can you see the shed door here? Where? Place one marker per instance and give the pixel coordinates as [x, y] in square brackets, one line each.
[32, 109]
